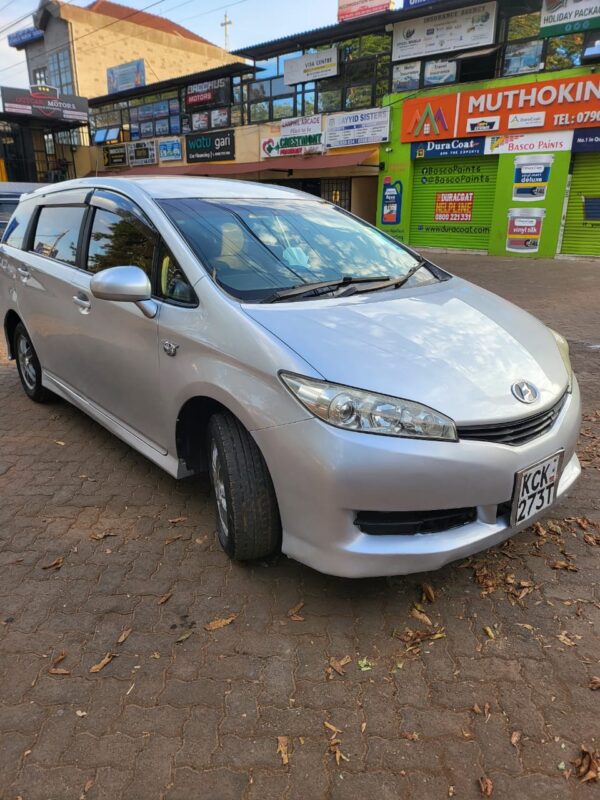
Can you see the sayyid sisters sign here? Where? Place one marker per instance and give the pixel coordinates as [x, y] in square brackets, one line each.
[560, 104]
[353, 128]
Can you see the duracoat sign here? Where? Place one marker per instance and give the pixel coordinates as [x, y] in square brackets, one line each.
[560, 104]
[452, 147]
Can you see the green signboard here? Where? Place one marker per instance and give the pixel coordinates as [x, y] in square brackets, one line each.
[569, 16]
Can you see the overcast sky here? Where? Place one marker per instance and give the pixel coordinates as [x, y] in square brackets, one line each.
[254, 21]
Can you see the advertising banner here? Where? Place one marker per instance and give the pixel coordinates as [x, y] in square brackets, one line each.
[115, 156]
[126, 76]
[559, 104]
[213, 146]
[141, 153]
[451, 30]
[558, 141]
[353, 128]
[437, 72]
[586, 141]
[208, 93]
[170, 150]
[301, 126]
[44, 105]
[349, 9]
[311, 67]
[569, 16]
[521, 58]
[24, 36]
[452, 147]
[406, 76]
[291, 145]
[453, 207]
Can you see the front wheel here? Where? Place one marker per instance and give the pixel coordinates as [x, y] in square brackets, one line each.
[248, 524]
[28, 366]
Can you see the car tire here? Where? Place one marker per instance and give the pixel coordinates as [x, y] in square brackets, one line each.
[28, 366]
[248, 524]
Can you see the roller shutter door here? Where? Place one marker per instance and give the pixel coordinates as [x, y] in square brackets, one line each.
[453, 202]
[582, 225]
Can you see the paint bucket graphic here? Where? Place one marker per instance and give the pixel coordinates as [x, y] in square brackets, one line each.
[524, 229]
[532, 174]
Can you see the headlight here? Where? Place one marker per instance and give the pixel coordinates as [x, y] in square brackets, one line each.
[563, 349]
[356, 410]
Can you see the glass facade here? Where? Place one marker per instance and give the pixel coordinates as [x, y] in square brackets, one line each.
[60, 74]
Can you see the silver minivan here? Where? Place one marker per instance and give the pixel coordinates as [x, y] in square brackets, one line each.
[355, 405]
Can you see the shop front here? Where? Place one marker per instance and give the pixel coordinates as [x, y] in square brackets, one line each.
[498, 167]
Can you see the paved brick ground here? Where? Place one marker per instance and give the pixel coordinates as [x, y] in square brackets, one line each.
[199, 718]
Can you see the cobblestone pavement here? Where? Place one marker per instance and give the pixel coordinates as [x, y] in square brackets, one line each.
[499, 690]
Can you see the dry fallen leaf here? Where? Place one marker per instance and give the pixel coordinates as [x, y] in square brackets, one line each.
[489, 632]
[55, 669]
[61, 444]
[487, 710]
[587, 765]
[56, 564]
[175, 520]
[428, 592]
[172, 539]
[163, 598]
[419, 615]
[183, 637]
[332, 728]
[293, 612]
[594, 683]
[282, 749]
[515, 738]
[567, 638]
[124, 635]
[566, 565]
[592, 539]
[81, 713]
[486, 787]
[363, 727]
[476, 709]
[412, 737]
[103, 662]
[101, 535]
[337, 665]
[220, 623]
[334, 747]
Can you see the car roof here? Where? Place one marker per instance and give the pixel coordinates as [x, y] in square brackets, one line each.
[165, 187]
[15, 188]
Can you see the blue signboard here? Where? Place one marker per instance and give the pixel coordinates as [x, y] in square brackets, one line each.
[404, 4]
[126, 76]
[449, 147]
[586, 140]
[24, 36]
[170, 150]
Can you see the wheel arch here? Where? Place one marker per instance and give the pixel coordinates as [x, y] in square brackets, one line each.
[191, 429]
[11, 320]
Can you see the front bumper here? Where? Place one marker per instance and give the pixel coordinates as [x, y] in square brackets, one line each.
[324, 475]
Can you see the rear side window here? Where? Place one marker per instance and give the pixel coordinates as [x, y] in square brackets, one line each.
[57, 232]
[17, 227]
[118, 241]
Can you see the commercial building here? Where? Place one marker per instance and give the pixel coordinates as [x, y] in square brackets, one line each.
[343, 112]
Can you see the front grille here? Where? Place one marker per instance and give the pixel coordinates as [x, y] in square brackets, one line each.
[514, 432]
[407, 523]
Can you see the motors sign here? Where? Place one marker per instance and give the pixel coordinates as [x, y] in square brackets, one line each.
[208, 93]
[44, 104]
[554, 105]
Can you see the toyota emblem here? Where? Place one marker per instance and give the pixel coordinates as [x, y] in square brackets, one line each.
[525, 392]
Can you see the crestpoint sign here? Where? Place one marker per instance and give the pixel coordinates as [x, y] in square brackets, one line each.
[560, 104]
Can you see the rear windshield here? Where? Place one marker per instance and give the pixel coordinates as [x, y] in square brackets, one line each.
[253, 248]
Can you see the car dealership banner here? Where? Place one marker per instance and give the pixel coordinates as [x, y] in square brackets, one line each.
[311, 67]
[569, 16]
[559, 104]
[353, 128]
[43, 105]
[349, 9]
[450, 30]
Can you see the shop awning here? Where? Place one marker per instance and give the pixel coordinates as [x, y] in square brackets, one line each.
[279, 164]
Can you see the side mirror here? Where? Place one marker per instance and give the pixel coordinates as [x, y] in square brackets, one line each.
[125, 285]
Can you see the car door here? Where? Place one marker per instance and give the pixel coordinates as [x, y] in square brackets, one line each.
[117, 356]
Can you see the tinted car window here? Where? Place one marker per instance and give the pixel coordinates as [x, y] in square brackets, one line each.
[57, 232]
[172, 282]
[118, 241]
[17, 226]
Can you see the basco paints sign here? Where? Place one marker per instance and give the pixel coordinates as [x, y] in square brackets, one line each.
[560, 104]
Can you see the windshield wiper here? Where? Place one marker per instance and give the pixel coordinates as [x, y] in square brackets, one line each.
[319, 288]
[387, 283]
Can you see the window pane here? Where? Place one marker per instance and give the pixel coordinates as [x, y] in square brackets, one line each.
[57, 232]
[359, 71]
[269, 67]
[359, 97]
[279, 87]
[309, 103]
[375, 43]
[236, 115]
[172, 283]
[119, 241]
[259, 112]
[564, 51]
[283, 107]
[349, 49]
[523, 57]
[330, 101]
[524, 26]
[258, 90]
[15, 231]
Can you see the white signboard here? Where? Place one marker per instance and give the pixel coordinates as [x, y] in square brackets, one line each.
[406, 76]
[301, 126]
[349, 9]
[442, 33]
[437, 72]
[552, 142]
[569, 16]
[352, 128]
[311, 67]
[141, 153]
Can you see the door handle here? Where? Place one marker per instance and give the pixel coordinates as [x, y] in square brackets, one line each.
[82, 301]
[24, 273]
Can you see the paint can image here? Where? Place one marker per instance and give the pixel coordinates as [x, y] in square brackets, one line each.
[524, 229]
[532, 174]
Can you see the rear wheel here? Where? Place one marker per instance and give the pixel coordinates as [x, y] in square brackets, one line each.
[248, 524]
[28, 366]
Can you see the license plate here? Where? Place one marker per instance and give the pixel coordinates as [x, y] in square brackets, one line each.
[535, 488]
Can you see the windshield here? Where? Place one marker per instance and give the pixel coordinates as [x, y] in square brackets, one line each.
[253, 248]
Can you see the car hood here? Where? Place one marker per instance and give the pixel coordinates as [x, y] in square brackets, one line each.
[452, 346]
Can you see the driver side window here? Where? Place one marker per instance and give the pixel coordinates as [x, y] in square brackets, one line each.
[118, 240]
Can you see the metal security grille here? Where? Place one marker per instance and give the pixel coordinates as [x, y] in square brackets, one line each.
[582, 226]
[453, 202]
[336, 190]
